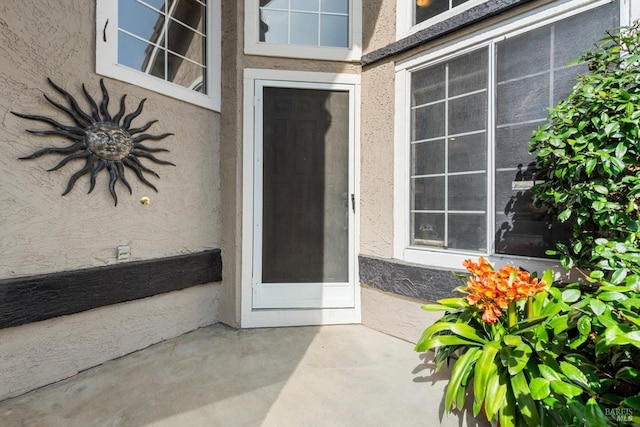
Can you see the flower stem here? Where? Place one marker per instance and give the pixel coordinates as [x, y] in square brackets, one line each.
[511, 311]
[530, 308]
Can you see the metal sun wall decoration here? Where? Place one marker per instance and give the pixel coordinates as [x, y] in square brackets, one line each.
[104, 141]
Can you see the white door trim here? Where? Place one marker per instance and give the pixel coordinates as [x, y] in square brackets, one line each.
[251, 317]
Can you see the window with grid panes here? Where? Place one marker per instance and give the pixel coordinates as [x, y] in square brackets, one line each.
[471, 119]
[163, 45]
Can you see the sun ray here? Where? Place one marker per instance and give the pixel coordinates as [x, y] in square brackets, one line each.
[138, 172]
[104, 105]
[75, 117]
[68, 135]
[69, 158]
[120, 170]
[137, 164]
[127, 120]
[52, 150]
[88, 166]
[142, 129]
[100, 164]
[150, 150]
[70, 100]
[47, 120]
[118, 116]
[140, 153]
[146, 136]
[113, 177]
[92, 104]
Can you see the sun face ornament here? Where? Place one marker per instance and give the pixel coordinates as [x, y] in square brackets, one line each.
[104, 141]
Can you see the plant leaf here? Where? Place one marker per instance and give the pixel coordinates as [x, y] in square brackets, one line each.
[496, 394]
[593, 414]
[574, 374]
[485, 368]
[462, 365]
[539, 388]
[525, 401]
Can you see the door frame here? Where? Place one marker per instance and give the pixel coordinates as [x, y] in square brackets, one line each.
[250, 317]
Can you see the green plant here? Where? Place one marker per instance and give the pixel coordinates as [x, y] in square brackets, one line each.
[540, 355]
[588, 156]
[488, 333]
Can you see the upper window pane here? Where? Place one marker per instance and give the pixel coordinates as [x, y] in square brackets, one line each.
[165, 39]
[319, 23]
[427, 9]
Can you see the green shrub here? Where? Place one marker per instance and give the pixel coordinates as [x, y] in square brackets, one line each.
[589, 158]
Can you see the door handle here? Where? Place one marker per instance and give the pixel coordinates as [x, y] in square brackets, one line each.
[353, 202]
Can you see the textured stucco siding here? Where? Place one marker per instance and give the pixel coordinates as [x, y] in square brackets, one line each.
[42, 232]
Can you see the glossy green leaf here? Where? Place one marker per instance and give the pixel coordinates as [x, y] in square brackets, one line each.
[570, 295]
[462, 366]
[574, 374]
[597, 306]
[632, 402]
[518, 358]
[485, 368]
[611, 296]
[594, 415]
[526, 404]
[495, 397]
[540, 388]
[569, 390]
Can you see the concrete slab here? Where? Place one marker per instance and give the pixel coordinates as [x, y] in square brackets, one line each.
[346, 375]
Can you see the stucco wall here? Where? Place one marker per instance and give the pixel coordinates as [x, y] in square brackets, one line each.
[43, 232]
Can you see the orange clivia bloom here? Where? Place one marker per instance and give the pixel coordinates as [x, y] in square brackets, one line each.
[492, 291]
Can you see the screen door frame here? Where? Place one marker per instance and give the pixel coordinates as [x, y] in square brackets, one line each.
[286, 304]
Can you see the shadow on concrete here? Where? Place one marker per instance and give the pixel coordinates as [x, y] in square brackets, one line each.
[346, 375]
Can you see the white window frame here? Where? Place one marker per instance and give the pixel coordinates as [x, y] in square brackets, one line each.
[405, 10]
[107, 57]
[452, 259]
[253, 45]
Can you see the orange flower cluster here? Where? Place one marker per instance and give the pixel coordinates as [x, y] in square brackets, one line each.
[492, 291]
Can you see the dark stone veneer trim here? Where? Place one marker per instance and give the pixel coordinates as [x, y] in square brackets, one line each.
[457, 22]
[34, 298]
[411, 280]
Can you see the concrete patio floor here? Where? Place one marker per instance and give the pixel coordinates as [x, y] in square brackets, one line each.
[218, 376]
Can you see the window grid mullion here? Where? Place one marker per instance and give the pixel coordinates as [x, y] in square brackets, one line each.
[491, 172]
[446, 155]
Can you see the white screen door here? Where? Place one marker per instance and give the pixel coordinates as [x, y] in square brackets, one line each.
[303, 205]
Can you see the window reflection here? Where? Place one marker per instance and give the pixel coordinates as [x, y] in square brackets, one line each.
[322, 23]
[427, 9]
[165, 39]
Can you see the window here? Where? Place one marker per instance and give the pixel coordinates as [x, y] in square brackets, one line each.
[426, 9]
[316, 29]
[172, 47]
[471, 115]
[415, 15]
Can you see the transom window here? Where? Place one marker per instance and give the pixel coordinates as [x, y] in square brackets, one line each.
[322, 23]
[165, 45]
[471, 118]
[312, 29]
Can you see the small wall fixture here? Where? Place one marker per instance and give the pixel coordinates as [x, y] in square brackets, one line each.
[102, 140]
